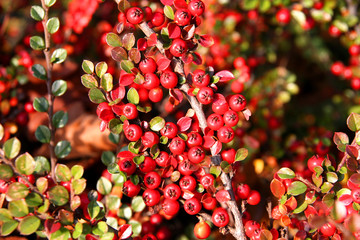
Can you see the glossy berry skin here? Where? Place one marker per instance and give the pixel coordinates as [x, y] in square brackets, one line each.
[177, 146]
[202, 230]
[337, 68]
[210, 203]
[163, 160]
[147, 165]
[239, 63]
[196, 154]
[253, 198]
[156, 95]
[182, 17]
[334, 31]
[172, 191]
[328, 229]
[170, 130]
[228, 155]
[225, 134]
[194, 139]
[148, 65]
[128, 166]
[151, 197]
[283, 16]
[231, 118]
[170, 207]
[152, 180]
[178, 47]
[186, 167]
[151, 81]
[133, 132]
[149, 139]
[205, 95]
[130, 111]
[355, 83]
[237, 102]
[314, 161]
[158, 19]
[29, 108]
[243, 191]
[192, 206]
[207, 180]
[200, 78]
[187, 183]
[355, 194]
[250, 227]
[130, 189]
[168, 79]
[134, 15]
[220, 217]
[156, 219]
[215, 121]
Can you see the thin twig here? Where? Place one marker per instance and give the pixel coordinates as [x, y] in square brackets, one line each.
[51, 97]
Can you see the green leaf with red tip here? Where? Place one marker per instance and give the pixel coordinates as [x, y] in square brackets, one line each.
[58, 195]
[128, 41]
[296, 188]
[61, 234]
[241, 154]
[277, 188]
[119, 54]
[75, 203]
[63, 173]
[78, 185]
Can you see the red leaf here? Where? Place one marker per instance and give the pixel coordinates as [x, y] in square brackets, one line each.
[206, 40]
[152, 40]
[206, 198]
[224, 75]
[354, 181]
[104, 112]
[177, 94]
[247, 113]
[125, 154]
[174, 30]
[197, 59]
[142, 44]
[126, 79]
[353, 151]
[125, 231]
[277, 188]
[216, 148]
[118, 93]
[219, 99]
[222, 196]
[310, 210]
[117, 109]
[188, 32]
[51, 226]
[163, 63]
[346, 199]
[291, 203]
[103, 126]
[126, 124]
[208, 141]
[180, 4]
[166, 172]
[184, 123]
[167, 2]
[187, 58]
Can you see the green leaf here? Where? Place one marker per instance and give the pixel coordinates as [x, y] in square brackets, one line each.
[41, 104]
[265, 5]
[39, 71]
[133, 96]
[342, 26]
[58, 88]
[88, 66]
[59, 55]
[29, 225]
[114, 138]
[302, 205]
[42, 184]
[128, 41]
[296, 188]
[107, 82]
[215, 170]
[37, 13]
[139, 159]
[53, 25]
[77, 171]
[331, 177]
[25, 164]
[326, 187]
[113, 202]
[17, 191]
[49, 3]
[18, 208]
[96, 95]
[286, 173]
[250, 4]
[78, 185]
[6, 172]
[299, 16]
[43, 134]
[125, 212]
[42, 165]
[138, 204]
[45, 207]
[225, 167]
[108, 157]
[60, 119]
[63, 173]
[58, 195]
[93, 209]
[101, 69]
[100, 228]
[241, 154]
[127, 65]
[62, 149]
[33, 200]
[12, 147]
[169, 12]
[61, 234]
[353, 122]
[89, 81]
[157, 123]
[113, 40]
[136, 227]
[8, 227]
[104, 186]
[37, 43]
[115, 126]
[5, 215]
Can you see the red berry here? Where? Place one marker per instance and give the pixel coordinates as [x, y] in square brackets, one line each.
[178, 47]
[337, 68]
[187, 183]
[151, 197]
[354, 50]
[177, 146]
[215, 121]
[209, 203]
[182, 17]
[170, 130]
[355, 194]
[228, 155]
[220, 217]
[328, 229]
[243, 191]
[130, 111]
[196, 7]
[133, 132]
[148, 65]
[250, 227]
[231, 118]
[283, 16]
[334, 31]
[237, 102]
[168, 79]
[149, 139]
[163, 160]
[151, 81]
[152, 180]
[194, 139]
[172, 191]
[127, 166]
[134, 15]
[205, 95]
[207, 180]
[239, 63]
[192, 206]
[225, 134]
[158, 19]
[200, 78]
[170, 207]
[355, 83]
[314, 161]
[130, 189]
[254, 197]
[202, 230]
[156, 94]
[237, 86]
[196, 154]
[29, 108]
[156, 219]
[147, 165]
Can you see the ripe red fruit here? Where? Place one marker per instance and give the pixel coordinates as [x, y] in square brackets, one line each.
[237, 86]
[147, 227]
[202, 230]
[187, 183]
[205, 95]
[196, 7]
[215, 121]
[152, 180]
[328, 229]
[186, 167]
[239, 63]
[207, 180]
[29, 108]
[130, 189]
[156, 94]
[66, 185]
[133, 132]
[220, 217]
[148, 65]
[355, 83]
[237, 102]
[147, 165]
[231, 118]
[192, 206]
[200, 78]
[163, 159]
[228, 155]
[127, 166]
[178, 47]
[3, 186]
[354, 50]
[337, 68]
[156, 219]
[170, 207]
[177, 146]
[243, 191]
[151, 81]
[225, 134]
[314, 161]
[182, 17]
[22, 118]
[194, 139]
[170, 130]
[134, 15]
[168, 79]
[283, 16]
[164, 233]
[158, 19]
[130, 111]
[149, 139]
[250, 227]
[196, 154]
[151, 197]
[334, 31]
[253, 198]
[209, 203]
[172, 191]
